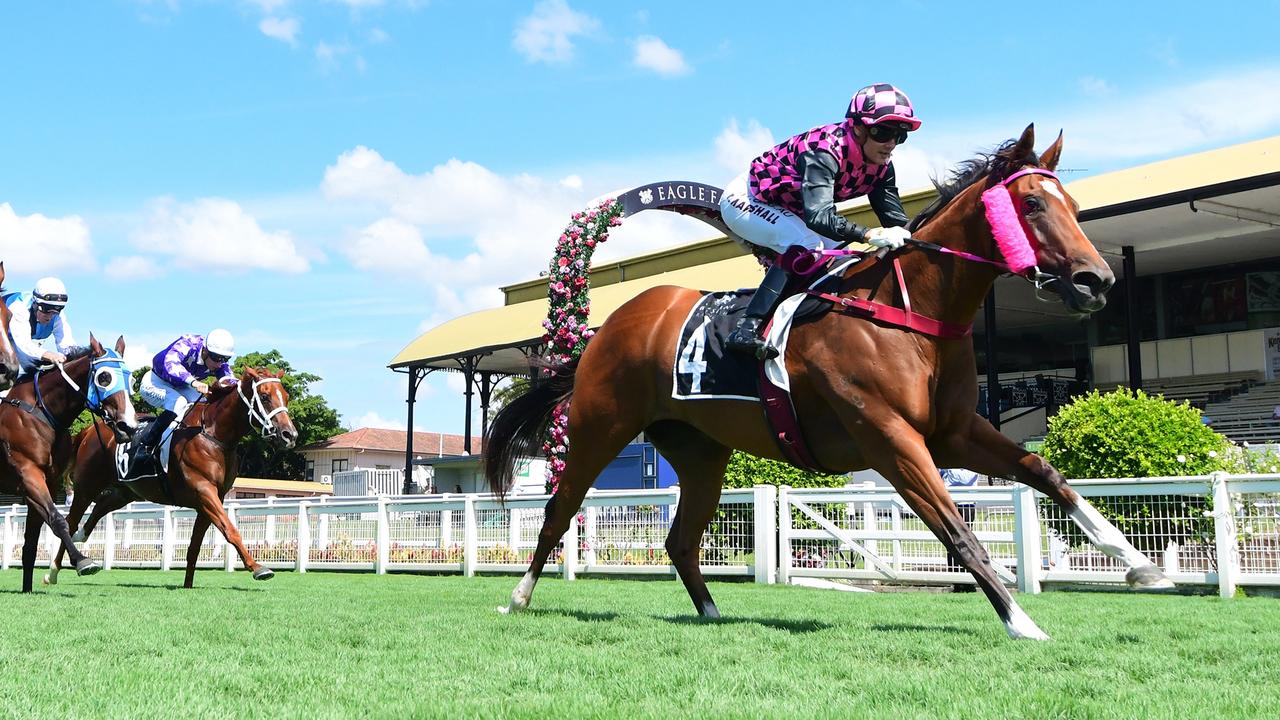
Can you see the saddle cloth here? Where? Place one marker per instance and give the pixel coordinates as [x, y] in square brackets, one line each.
[704, 369]
[147, 466]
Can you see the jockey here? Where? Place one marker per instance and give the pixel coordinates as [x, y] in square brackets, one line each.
[176, 379]
[37, 318]
[788, 196]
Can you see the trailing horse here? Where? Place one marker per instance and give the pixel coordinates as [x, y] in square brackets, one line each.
[202, 464]
[892, 388]
[9, 363]
[35, 431]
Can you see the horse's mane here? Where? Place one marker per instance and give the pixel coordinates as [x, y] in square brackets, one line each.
[998, 164]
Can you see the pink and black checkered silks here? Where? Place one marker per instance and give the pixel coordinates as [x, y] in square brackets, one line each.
[776, 181]
[880, 102]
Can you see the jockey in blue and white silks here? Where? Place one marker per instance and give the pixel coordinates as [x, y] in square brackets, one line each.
[177, 378]
[39, 327]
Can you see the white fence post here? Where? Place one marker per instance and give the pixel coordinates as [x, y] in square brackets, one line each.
[269, 534]
[446, 529]
[569, 554]
[1026, 534]
[108, 541]
[384, 538]
[228, 550]
[784, 534]
[304, 535]
[7, 545]
[1224, 536]
[764, 517]
[869, 525]
[166, 539]
[470, 546]
[589, 531]
[513, 529]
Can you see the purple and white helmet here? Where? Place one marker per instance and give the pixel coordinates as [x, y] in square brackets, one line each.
[882, 102]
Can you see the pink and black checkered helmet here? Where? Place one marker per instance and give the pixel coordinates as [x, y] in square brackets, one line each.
[882, 102]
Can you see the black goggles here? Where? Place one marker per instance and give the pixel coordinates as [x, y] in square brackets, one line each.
[885, 132]
[47, 308]
[219, 359]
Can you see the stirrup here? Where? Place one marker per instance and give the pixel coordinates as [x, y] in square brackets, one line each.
[753, 345]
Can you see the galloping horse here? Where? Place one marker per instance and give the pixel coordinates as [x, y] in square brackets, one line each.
[35, 423]
[9, 363]
[868, 392]
[202, 466]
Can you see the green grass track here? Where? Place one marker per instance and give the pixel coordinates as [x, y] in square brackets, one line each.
[131, 644]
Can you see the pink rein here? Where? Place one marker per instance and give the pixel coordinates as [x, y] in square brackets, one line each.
[1006, 228]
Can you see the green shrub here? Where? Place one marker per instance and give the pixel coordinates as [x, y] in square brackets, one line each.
[1124, 434]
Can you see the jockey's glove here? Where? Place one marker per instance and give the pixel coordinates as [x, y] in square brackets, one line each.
[887, 237]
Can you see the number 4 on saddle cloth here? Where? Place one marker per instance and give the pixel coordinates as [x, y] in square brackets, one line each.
[705, 369]
[146, 465]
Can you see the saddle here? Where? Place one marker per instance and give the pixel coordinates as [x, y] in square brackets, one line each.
[145, 464]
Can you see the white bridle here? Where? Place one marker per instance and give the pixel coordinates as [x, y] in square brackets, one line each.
[257, 409]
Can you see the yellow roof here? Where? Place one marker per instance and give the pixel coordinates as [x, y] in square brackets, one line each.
[266, 484]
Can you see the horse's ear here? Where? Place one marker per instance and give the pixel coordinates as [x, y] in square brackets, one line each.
[1, 272]
[120, 345]
[1026, 144]
[95, 346]
[1049, 160]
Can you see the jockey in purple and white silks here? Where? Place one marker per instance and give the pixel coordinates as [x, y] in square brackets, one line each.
[788, 196]
[39, 327]
[176, 379]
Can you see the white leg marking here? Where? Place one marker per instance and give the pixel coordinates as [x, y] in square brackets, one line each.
[520, 596]
[79, 537]
[1106, 536]
[51, 577]
[1020, 626]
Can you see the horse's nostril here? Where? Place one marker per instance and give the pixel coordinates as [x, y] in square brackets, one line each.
[1091, 280]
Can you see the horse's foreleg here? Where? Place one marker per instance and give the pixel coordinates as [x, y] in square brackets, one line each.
[909, 467]
[30, 540]
[40, 504]
[198, 531]
[991, 453]
[210, 506]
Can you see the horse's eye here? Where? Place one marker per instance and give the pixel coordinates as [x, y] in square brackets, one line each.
[1031, 204]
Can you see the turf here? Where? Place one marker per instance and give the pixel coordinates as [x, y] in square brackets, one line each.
[131, 644]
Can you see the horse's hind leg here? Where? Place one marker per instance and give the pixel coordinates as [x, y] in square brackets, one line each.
[699, 462]
[991, 453]
[30, 540]
[907, 465]
[587, 456]
[198, 531]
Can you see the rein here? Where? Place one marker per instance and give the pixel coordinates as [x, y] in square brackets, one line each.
[1010, 243]
[257, 411]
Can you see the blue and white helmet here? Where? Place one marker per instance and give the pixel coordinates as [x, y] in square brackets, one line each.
[50, 291]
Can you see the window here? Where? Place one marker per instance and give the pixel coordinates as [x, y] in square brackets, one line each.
[339, 465]
[381, 467]
[310, 475]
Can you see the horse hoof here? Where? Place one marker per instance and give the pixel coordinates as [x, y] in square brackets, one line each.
[710, 611]
[263, 573]
[49, 579]
[88, 566]
[79, 537]
[1148, 577]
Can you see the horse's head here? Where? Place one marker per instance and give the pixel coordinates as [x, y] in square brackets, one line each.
[107, 388]
[1064, 259]
[264, 394]
[8, 357]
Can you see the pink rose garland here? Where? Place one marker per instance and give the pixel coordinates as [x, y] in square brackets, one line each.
[568, 287]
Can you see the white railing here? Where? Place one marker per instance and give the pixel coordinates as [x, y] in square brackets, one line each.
[368, 481]
[1219, 530]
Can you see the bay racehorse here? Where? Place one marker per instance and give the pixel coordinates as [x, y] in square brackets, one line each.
[868, 392]
[202, 464]
[35, 431]
[8, 356]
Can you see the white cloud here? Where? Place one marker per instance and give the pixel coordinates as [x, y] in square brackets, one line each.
[391, 246]
[36, 244]
[735, 149]
[546, 35]
[377, 36]
[268, 7]
[372, 419]
[654, 54]
[572, 181]
[132, 267]
[137, 355]
[283, 29]
[1095, 86]
[218, 234]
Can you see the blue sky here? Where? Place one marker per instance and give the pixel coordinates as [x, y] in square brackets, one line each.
[333, 178]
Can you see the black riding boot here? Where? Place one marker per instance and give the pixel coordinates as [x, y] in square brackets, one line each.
[746, 336]
[146, 445]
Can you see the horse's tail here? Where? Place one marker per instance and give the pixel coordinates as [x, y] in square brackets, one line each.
[519, 427]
